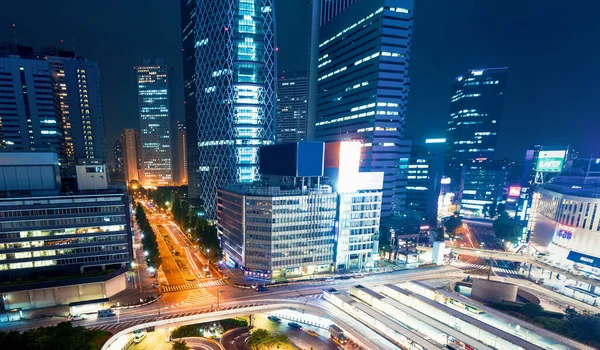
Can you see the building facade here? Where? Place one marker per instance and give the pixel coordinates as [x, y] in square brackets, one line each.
[279, 232]
[182, 165]
[118, 162]
[132, 155]
[53, 101]
[482, 183]
[292, 91]
[234, 73]
[155, 135]
[359, 58]
[51, 237]
[474, 119]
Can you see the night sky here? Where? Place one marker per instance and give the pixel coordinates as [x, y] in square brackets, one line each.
[552, 49]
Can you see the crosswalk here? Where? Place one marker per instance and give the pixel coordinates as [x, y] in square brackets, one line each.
[195, 285]
[200, 297]
[461, 264]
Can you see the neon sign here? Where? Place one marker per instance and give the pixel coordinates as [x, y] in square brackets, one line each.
[564, 232]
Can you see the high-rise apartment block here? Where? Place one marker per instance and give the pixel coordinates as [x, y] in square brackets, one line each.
[153, 80]
[53, 101]
[292, 91]
[299, 222]
[132, 156]
[358, 87]
[230, 82]
[182, 152]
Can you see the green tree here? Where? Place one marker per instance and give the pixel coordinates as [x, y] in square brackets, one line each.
[452, 224]
[532, 310]
[180, 345]
[570, 314]
[506, 228]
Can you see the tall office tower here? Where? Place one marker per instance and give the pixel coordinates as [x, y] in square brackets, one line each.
[78, 89]
[292, 90]
[358, 87]
[30, 118]
[234, 74]
[57, 103]
[475, 112]
[182, 151]
[132, 166]
[118, 165]
[153, 81]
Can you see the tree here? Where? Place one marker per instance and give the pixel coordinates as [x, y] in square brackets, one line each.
[452, 224]
[180, 345]
[532, 310]
[570, 314]
[506, 228]
[492, 209]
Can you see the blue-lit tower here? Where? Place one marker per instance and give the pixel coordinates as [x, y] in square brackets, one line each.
[235, 78]
[358, 85]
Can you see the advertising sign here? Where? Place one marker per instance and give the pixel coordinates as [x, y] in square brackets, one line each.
[550, 161]
[564, 232]
[514, 191]
[584, 259]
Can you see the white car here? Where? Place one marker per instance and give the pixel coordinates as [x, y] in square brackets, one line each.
[77, 317]
[329, 279]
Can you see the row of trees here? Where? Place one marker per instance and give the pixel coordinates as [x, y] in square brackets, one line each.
[63, 336]
[198, 228]
[505, 227]
[149, 238]
[261, 339]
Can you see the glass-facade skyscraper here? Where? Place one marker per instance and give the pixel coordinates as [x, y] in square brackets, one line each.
[474, 119]
[359, 83]
[231, 69]
[153, 103]
[292, 90]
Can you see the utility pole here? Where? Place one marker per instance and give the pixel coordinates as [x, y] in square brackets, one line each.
[218, 298]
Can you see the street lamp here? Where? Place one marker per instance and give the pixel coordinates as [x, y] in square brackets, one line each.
[218, 298]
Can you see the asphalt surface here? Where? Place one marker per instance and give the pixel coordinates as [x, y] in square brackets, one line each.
[298, 337]
[236, 339]
[201, 344]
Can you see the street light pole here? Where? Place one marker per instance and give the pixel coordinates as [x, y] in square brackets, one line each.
[218, 298]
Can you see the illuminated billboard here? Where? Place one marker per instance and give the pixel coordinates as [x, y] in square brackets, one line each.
[514, 191]
[550, 161]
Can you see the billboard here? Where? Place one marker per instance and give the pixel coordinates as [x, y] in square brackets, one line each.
[550, 161]
[514, 191]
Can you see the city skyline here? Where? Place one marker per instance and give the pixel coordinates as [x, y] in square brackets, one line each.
[534, 102]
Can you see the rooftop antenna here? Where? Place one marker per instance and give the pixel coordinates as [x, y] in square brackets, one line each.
[15, 33]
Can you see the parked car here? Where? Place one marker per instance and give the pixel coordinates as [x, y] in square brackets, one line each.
[274, 318]
[294, 325]
[359, 275]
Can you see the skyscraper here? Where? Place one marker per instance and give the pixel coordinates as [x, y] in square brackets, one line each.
[132, 159]
[474, 120]
[118, 163]
[292, 90]
[57, 103]
[153, 100]
[182, 154]
[233, 73]
[358, 87]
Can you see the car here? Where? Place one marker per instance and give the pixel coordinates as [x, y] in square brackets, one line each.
[294, 325]
[208, 274]
[106, 313]
[262, 289]
[359, 275]
[329, 279]
[77, 317]
[345, 277]
[312, 333]
[274, 318]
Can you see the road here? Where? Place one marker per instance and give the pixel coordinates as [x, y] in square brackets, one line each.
[201, 343]
[298, 337]
[236, 339]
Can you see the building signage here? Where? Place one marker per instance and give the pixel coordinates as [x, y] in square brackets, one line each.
[550, 161]
[584, 259]
[514, 191]
[564, 232]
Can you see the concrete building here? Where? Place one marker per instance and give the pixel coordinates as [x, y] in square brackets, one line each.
[67, 247]
[132, 155]
[298, 222]
[482, 183]
[229, 55]
[358, 84]
[153, 80]
[292, 94]
[182, 165]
